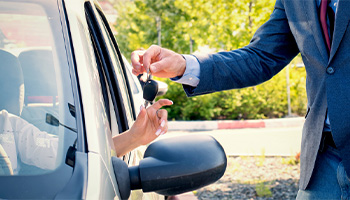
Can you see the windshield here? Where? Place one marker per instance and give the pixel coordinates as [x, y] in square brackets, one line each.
[37, 123]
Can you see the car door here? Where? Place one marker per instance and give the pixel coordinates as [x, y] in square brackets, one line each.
[104, 108]
[118, 89]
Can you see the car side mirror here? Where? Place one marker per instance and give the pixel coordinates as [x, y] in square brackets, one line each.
[173, 166]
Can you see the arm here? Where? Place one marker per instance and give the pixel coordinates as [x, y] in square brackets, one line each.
[33, 146]
[148, 126]
[272, 47]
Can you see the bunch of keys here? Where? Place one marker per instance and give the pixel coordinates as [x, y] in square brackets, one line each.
[150, 89]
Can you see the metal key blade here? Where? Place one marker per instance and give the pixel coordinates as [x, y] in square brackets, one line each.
[146, 103]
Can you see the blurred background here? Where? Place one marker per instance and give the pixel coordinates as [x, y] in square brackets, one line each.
[188, 26]
[263, 163]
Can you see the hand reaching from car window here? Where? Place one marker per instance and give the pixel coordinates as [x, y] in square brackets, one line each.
[150, 123]
[162, 62]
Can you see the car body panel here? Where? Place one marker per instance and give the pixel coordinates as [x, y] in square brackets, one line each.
[100, 185]
[96, 124]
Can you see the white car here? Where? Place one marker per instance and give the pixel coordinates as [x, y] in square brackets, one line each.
[64, 93]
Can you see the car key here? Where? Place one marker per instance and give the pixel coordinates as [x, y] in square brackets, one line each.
[150, 90]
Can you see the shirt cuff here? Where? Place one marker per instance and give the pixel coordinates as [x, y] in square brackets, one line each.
[192, 72]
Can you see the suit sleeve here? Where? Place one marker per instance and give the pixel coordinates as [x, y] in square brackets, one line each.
[270, 50]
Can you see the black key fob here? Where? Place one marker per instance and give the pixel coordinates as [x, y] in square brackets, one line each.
[150, 90]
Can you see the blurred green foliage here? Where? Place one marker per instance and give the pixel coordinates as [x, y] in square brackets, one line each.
[267, 100]
[220, 25]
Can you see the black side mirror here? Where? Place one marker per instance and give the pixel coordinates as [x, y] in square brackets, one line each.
[173, 166]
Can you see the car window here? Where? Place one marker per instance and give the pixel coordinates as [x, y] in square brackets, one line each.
[116, 61]
[114, 74]
[37, 123]
[32, 84]
[108, 108]
[133, 81]
[106, 81]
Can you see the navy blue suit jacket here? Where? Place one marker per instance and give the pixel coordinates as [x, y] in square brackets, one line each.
[294, 28]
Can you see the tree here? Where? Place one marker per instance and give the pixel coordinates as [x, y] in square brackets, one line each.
[219, 24]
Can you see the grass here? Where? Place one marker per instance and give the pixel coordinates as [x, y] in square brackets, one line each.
[261, 159]
[292, 160]
[263, 190]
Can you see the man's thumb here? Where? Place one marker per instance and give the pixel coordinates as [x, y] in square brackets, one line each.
[158, 66]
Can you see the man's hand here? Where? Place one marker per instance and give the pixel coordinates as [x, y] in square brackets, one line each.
[162, 62]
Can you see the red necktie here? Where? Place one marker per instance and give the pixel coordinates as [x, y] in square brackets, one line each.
[323, 19]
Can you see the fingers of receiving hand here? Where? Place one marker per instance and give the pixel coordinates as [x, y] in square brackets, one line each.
[163, 128]
[161, 102]
[150, 55]
[141, 115]
[162, 114]
[163, 122]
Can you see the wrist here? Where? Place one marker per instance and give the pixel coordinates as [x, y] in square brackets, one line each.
[182, 64]
[124, 143]
[134, 138]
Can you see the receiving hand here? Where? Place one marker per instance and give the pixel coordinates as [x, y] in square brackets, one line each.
[151, 122]
[162, 62]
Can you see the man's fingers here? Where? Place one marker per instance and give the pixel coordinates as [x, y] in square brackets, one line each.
[151, 55]
[136, 61]
[135, 72]
[158, 66]
[162, 102]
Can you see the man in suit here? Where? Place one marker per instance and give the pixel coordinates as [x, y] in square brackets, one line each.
[295, 26]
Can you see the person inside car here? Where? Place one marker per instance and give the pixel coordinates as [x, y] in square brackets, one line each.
[21, 140]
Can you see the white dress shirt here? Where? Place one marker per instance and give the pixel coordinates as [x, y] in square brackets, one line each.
[23, 140]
